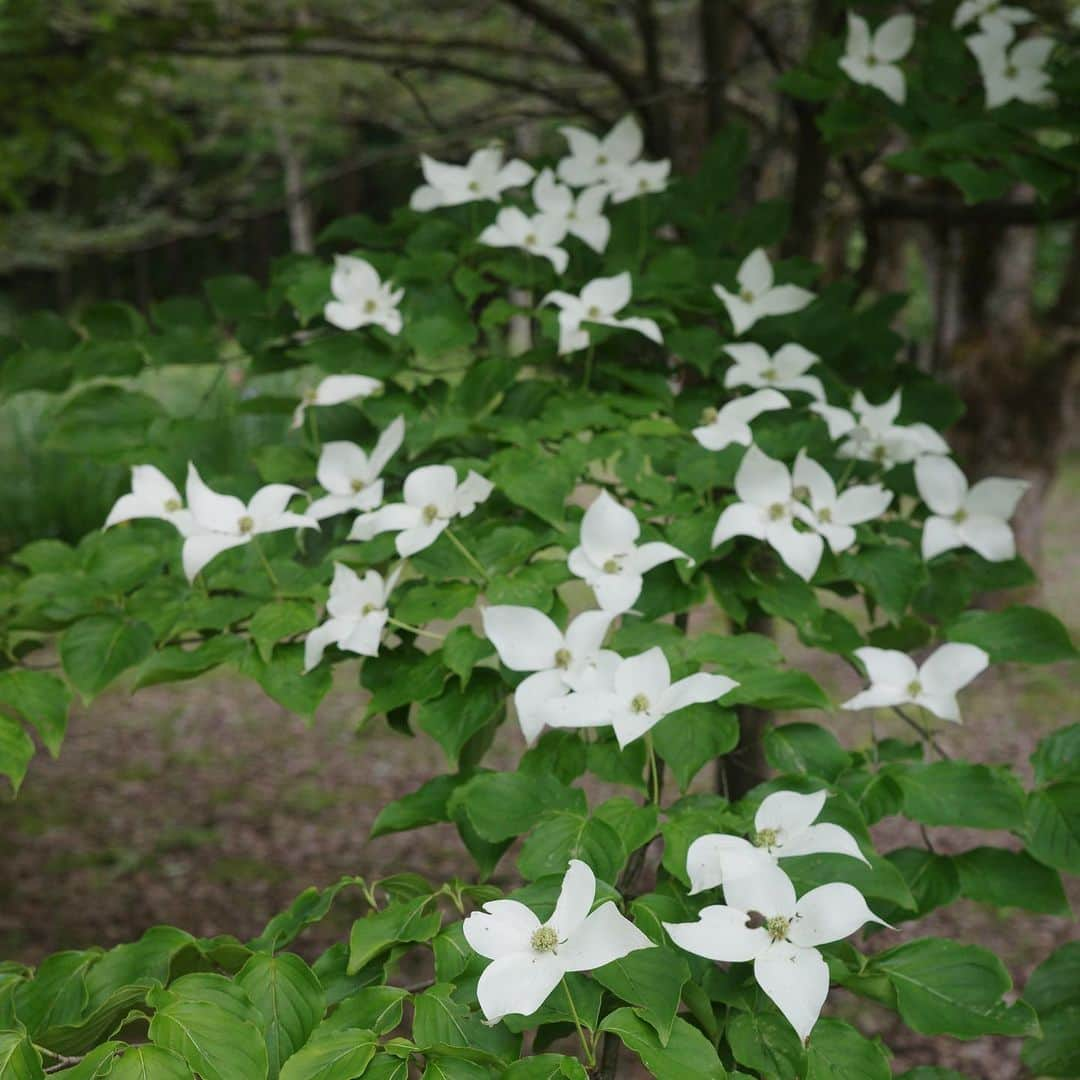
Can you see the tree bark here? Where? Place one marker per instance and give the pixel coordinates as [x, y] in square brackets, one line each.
[745, 767]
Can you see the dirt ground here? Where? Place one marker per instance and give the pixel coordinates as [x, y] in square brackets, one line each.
[208, 807]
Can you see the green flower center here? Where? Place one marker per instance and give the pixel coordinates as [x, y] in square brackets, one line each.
[769, 374]
[802, 493]
[746, 296]
[309, 397]
[601, 159]
[639, 703]
[563, 658]
[776, 511]
[611, 566]
[593, 312]
[824, 515]
[172, 505]
[530, 240]
[880, 453]
[777, 927]
[474, 186]
[871, 61]
[709, 415]
[367, 609]
[960, 517]
[765, 838]
[246, 524]
[430, 513]
[914, 688]
[369, 306]
[545, 939]
[1011, 71]
[356, 485]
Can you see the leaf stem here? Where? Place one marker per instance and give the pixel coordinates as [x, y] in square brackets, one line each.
[313, 425]
[656, 779]
[472, 559]
[414, 629]
[266, 564]
[588, 366]
[590, 1057]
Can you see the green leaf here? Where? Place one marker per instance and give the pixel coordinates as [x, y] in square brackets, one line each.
[933, 880]
[1053, 826]
[402, 921]
[945, 988]
[502, 806]
[425, 806]
[95, 650]
[104, 421]
[423, 603]
[285, 680]
[57, 994]
[565, 835]
[1011, 879]
[440, 1022]
[308, 908]
[1057, 757]
[546, 1067]
[763, 1040]
[693, 736]
[176, 663]
[461, 712]
[41, 699]
[539, 483]
[652, 980]
[635, 824]
[1019, 633]
[687, 1053]
[400, 676]
[891, 575]
[18, 1058]
[378, 1008]
[1053, 991]
[16, 750]
[277, 620]
[766, 689]
[149, 1063]
[463, 650]
[332, 1055]
[212, 1025]
[290, 1000]
[838, 1052]
[806, 748]
[959, 793]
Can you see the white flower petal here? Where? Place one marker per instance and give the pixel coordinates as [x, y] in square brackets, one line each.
[768, 890]
[797, 982]
[585, 634]
[519, 984]
[887, 666]
[951, 667]
[530, 697]
[608, 529]
[525, 639]
[720, 933]
[991, 537]
[713, 858]
[695, 689]
[789, 812]
[821, 839]
[941, 484]
[504, 927]
[335, 389]
[647, 674]
[202, 548]
[755, 275]
[739, 519]
[575, 899]
[604, 936]
[432, 485]
[411, 541]
[939, 535]
[893, 38]
[585, 709]
[616, 593]
[801, 551]
[864, 502]
[829, 913]
[652, 554]
[784, 300]
[761, 480]
[219, 513]
[315, 644]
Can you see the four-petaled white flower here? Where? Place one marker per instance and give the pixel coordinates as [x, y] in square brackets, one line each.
[540, 235]
[641, 695]
[152, 495]
[758, 296]
[484, 176]
[333, 390]
[976, 517]
[783, 826]
[1013, 72]
[530, 958]
[224, 521]
[433, 498]
[763, 921]
[361, 298]
[600, 160]
[582, 216]
[833, 515]
[895, 679]
[784, 370]
[872, 60]
[641, 178]
[357, 610]
[768, 510]
[731, 422]
[609, 557]
[598, 303]
[351, 477]
[839, 421]
[993, 17]
[877, 437]
[527, 640]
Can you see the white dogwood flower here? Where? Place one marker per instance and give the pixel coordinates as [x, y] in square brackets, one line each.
[833, 515]
[641, 695]
[152, 495]
[351, 477]
[993, 17]
[731, 422]
[641, 178]
[224, 521]
[582, 216]
[600, 160]
[783, 827]
[896, 680]
[599, 302]
[839, 421]
[768, 510]
[872, 60]
[1013, 72]
[758, 295]
[609, 557]
[877, 437]
[357, 614]
[527, 640]
[333, 390]
[433, 498]
[976, 517]
[784, 370]
[361, 298]
[763, 921]
[530, 958]
[538, 235]
[484, 176]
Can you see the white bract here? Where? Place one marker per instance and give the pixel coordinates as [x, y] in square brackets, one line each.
[763, 921]
[540, 235]
[784, 370]
[768, 510]
[433, 498]
[351, 477]
[896, 680]
[731, 422]
[641, 695]
[839, 421]
[976, 517]
[153, 495]
[582, 216]
[1013, 72]
[832, 515]
[783, 827]
[877, 437]
[600, 159]
[361, 298]
[609, 557]
[599, 302]
[530, 958]
[758, 295]
[993, 17]
[872, 60]
[641, 178]
[224, 521]
[333, 390]
[484, 176]
[527, 640]
[357, 610]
